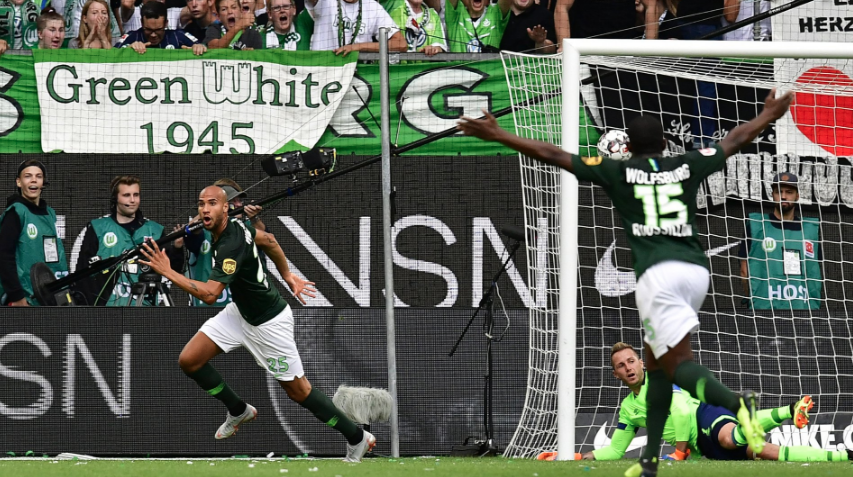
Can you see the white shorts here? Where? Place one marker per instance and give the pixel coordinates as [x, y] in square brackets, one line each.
[271, 343]
[669, 295]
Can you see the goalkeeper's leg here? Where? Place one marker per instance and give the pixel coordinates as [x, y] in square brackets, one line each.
[727, 440]
[773, 418]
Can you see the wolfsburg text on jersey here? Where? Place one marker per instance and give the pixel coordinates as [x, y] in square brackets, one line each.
[637, 176]
[682, 230]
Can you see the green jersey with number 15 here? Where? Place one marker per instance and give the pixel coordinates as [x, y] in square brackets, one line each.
[656, 198]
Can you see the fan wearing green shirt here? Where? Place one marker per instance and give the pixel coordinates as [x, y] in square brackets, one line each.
[422, 27]
[476, 26]
[695, 428]
[289, 31]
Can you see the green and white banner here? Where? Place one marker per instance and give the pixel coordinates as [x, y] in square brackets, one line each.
[117, 101]
[161, 102]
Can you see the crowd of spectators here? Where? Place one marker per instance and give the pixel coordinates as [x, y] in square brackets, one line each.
[428, 26]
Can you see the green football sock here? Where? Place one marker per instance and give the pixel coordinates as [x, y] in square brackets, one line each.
[325, 410]
[810, 454]
[211, 381]
[658, 400]
[700, 382]
[773, 418]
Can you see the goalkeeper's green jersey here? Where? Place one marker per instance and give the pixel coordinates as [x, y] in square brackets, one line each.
[680, 425]
[656, 198]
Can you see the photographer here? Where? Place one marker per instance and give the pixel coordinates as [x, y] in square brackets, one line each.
[28, 236]
[110, 236]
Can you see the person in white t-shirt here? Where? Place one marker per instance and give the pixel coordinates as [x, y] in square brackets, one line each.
[132, 20]
[747, 33]
[358, 28]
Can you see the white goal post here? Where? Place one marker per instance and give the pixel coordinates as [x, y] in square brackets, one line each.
[548, 420]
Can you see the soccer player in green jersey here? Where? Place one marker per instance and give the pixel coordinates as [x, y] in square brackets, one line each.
[656, 197]
[257, 319]
[695, 428]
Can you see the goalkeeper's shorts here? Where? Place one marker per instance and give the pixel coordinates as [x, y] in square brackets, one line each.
[710, 420]
[669, 295]
[271, 343]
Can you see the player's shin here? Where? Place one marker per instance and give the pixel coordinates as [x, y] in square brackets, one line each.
[209, 379]
[325, 410]
[773, 418]
[658, 399]
[811, 454]
[700, 382]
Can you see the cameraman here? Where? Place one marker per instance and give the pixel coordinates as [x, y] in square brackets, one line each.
[28, 236]
[110, 236]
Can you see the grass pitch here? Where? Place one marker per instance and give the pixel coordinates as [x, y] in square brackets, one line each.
[407, 467]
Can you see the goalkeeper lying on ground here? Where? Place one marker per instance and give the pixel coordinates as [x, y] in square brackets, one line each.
[696, 428]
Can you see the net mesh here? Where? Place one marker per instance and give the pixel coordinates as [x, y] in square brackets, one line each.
[781, 335]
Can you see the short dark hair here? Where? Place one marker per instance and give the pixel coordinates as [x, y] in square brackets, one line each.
[47, 15]
[153, 10]
[121, 180]
[645, 134]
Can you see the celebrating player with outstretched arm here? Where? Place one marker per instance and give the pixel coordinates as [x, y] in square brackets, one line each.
[656, 198]
[258, 319]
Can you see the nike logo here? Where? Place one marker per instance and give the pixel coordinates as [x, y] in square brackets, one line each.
[601, 440]
[612, 282]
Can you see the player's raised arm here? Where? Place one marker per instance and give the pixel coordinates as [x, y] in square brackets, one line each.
[488, 129]
[156, 258]
[774, 108]
[267, 242]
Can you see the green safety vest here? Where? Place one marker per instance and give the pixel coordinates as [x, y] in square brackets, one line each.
[113, 240]
[771, 287]
[199, 268]
[37, 232]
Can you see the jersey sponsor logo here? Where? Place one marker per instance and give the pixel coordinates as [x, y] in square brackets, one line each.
[809, 248]
[32, 231]
[708, 151]
[638, 176]
[706, 431]
[229, 266]
[110, 240]
[592, 160]
[612, 282]
[769, 244]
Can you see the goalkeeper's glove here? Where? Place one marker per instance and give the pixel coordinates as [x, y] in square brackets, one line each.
[677, 455]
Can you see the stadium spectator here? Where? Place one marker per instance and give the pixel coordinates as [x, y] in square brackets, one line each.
[94, 27]
[154, 33]
[28, 236]
[198, 244]
[73, 14]
[201, 16]
[51, 30]
[289, 31]
[352, 25]
[583, 19]
[475, 26]
[18, 24]
[781, 255]
[109, 236]
[530, 28]
[746, 9]
[421, 26]
[235, 28]
[131, 16]
[692, 20]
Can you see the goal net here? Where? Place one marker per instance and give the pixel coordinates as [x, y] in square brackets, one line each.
[784, 332]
